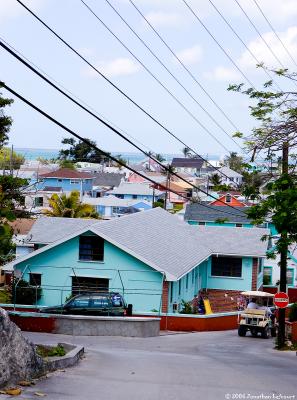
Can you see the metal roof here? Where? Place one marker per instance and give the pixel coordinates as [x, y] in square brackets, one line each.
[142, 189]
[67, 173]
[210, 213]
[155, 237]
[187, 162]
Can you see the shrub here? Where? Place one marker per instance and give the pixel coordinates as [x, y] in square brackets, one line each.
[46, 351]
[293, 313]
[24, 293]
[186, 307]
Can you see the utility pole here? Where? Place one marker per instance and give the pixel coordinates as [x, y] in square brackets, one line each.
[283, 258]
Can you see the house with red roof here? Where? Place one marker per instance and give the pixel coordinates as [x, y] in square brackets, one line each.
[228, 199]
[66, 180]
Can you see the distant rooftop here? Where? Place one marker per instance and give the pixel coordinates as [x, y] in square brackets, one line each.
[109, 179]
[67, 173]
[187, 162]
[135, 188]
[208, 213]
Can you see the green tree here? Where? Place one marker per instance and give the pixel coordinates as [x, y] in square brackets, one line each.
[159, 157]
[168, 172]
[121, 160]
[10, 194]
[216, 180]
[186, 151]
[235, 162]
[79, 151]
[10, 159]
[276, 113]
[70, 207]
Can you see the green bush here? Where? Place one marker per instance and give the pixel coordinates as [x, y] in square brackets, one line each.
[293, 313]
[5, 296]
[186, 307]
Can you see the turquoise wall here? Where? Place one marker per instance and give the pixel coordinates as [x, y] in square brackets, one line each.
[230, 283]
[142, 285]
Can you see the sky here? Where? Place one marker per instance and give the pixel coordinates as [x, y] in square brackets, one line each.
[182, 32]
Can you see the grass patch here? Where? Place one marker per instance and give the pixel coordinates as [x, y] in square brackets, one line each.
[5, 296]
[53, 351]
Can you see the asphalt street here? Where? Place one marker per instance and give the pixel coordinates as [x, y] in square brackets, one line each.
[202, 365]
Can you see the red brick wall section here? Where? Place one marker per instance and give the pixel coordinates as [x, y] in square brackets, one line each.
[165, 294]
[223, 300]
[255, 274]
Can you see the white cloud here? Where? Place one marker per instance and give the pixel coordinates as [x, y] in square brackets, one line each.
[162, 18]
[11, 9]
[191, 55]
[116, 67]
[221, 73]
[263, 54]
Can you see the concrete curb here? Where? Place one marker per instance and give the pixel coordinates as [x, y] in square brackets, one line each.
[70, 359]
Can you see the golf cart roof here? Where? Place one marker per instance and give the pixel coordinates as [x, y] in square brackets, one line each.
[256, 293]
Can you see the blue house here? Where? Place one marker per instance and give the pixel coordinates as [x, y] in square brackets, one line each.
[66, 180]
[110, 206]
[136, 191]
[152, 257]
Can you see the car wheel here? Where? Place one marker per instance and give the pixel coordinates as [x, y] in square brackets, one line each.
[242, 330]
[266, 332]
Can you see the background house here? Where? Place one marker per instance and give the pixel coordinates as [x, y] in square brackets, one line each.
[191, 165]
[136, 191]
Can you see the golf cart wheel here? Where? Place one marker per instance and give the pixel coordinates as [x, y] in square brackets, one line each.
[242, 330]
[254, 332]
[273, 332]
[265, 333]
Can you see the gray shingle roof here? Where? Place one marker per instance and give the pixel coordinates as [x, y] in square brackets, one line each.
[232, 241]
[230, 172]
[157, 238]
[109, 179]
[198, 212]
[51, 229]
[187, 162]
[135, 188]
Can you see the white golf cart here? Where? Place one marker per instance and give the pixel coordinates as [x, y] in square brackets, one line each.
[258, 317]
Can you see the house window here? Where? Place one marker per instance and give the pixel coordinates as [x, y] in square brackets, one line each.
[260, 264]
[290, 276]
[179, 287]
[228, 198]
[74, 181]
[193, 275]
[171, 292]
[187, 281]
[81, 284]
[34, 279]
[60, 180]
[226, 266]
[201, 223]
[38, 201]
[238, 225]
[91, 248]
[134, 196]
[267, 275]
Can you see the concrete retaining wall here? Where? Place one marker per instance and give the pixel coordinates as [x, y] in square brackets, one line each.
[85, 325]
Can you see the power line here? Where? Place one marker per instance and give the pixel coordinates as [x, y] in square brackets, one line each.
[274, 31]
[98, 118]
[111, 83]
[217, 42]
[166, 68]
[260, 34]
[184, 66]
[90, 144]
[158, 80]
[241, 40]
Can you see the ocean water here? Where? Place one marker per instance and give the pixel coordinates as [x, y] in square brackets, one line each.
[133, 158]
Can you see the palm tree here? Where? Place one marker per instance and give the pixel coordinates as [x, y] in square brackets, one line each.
[159, 157]
[70, 207]
[216, 180]
[186, 151]
[168, 172]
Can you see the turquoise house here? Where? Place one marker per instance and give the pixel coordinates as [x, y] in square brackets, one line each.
[154, 259]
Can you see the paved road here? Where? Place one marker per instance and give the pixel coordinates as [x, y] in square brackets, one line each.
[203, 365]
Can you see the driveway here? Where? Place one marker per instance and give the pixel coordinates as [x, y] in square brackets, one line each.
[202, 365]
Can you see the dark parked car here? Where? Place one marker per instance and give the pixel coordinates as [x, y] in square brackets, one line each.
[112, 304]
